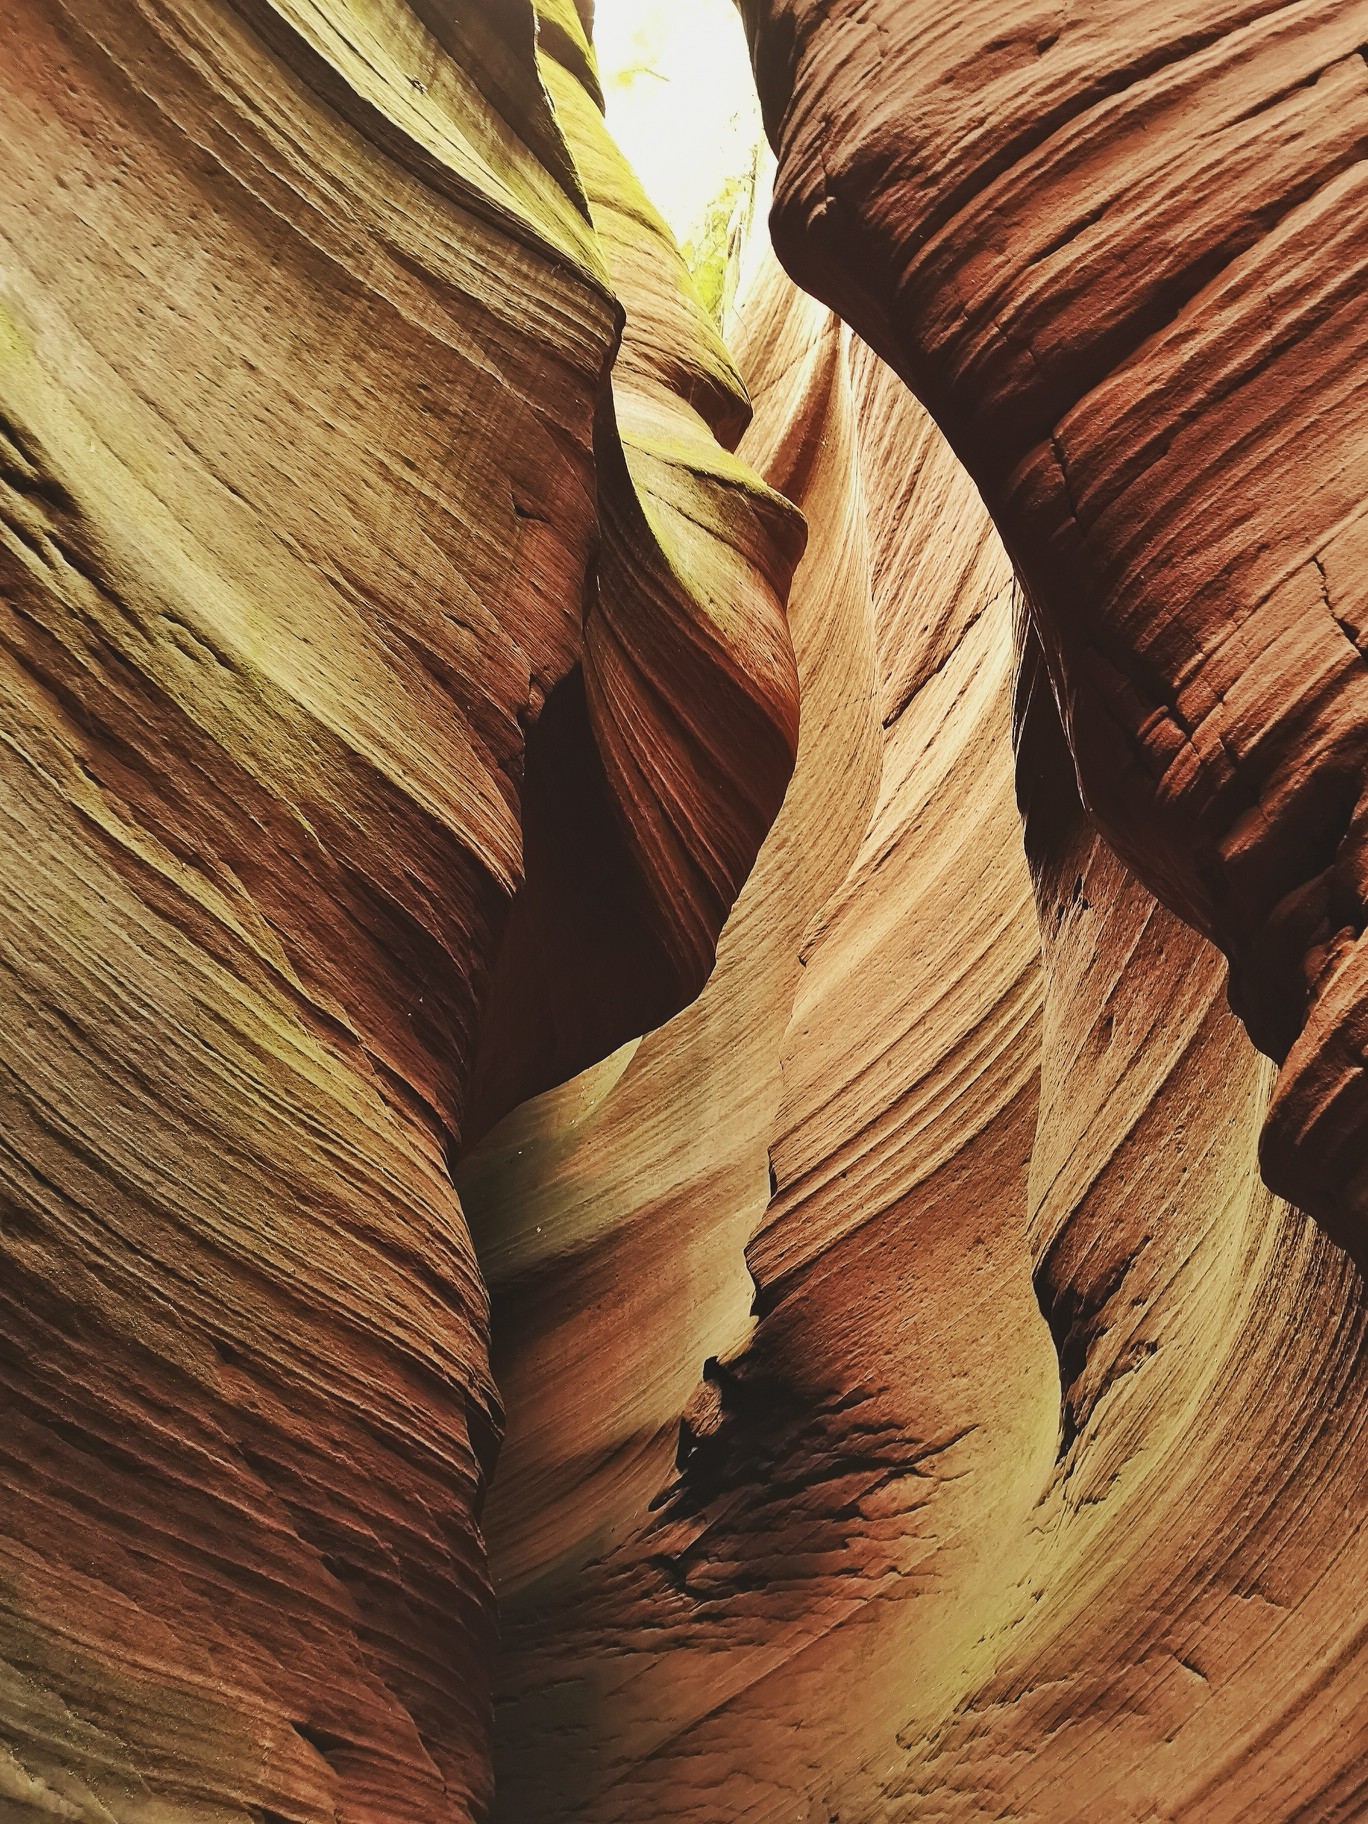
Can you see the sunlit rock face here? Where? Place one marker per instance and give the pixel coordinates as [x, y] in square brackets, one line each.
[1024, 1473]
[661, 762]
[918, 1406]
[1121, 252]
[312, 501]
[856, 1090]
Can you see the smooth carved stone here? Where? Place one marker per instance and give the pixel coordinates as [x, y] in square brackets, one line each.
[307, 459]
[1033, 1486]
[1121, 252]
[663, 1631]
[662, 761]
[396, 689]
[612, 1216]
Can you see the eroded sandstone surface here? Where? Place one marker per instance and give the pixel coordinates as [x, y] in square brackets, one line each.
[312, 495]
[1121, 252]
[1028, 1481]
[432, 660]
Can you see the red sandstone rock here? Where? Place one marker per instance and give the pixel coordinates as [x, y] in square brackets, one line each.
[1032, 1489]
[1122, 254]
[396, 690]
[892, 900]
[306, 464]
[662, 761]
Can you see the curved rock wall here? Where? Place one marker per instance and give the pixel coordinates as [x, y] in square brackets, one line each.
[870, 1043]
[1121, 252]
[918, 1407]
[311, 496]
[664, 758]
[1032, 1484]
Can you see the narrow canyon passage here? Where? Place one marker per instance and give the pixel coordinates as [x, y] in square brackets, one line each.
[997, 1493]
[630, 822]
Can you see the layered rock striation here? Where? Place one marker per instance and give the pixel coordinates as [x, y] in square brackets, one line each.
[918, 1405]
[312, 501]
[1030, 1485]
[664, 757]
[1122, 255]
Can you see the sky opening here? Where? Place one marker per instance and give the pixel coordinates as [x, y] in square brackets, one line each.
[681, 103]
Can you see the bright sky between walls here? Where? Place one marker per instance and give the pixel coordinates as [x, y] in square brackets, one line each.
[681, 103]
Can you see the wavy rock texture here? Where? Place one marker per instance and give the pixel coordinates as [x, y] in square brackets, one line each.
[918, 1406]
[1121, 253]
[871, 1035]
[1032, 1487]
[310, 498]
[678, 729]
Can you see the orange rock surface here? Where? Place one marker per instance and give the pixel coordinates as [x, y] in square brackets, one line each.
[1031, 1483]
[431, 660]
[311, 497]
[1121, 253]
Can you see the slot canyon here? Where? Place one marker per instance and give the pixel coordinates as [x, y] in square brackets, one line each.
[683, 986]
